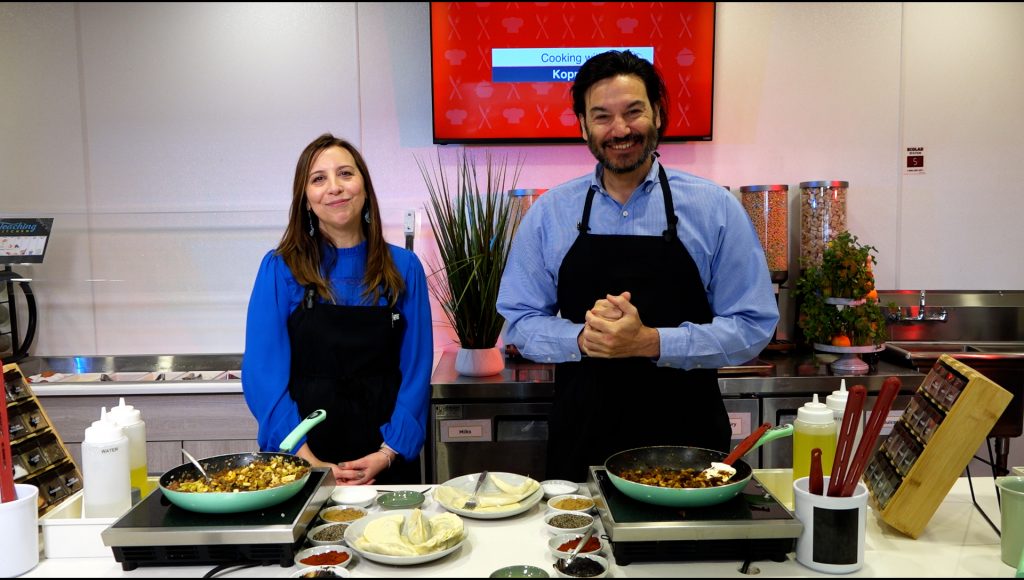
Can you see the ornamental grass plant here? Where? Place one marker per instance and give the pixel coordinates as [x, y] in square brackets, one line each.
[473, 220]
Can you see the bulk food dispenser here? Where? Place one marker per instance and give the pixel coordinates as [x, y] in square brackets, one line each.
[768, 208]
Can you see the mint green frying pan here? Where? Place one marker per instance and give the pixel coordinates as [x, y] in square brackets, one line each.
[243, 501]
[676, 457]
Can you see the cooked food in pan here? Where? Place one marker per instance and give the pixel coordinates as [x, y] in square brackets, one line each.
[674, 478]
[257, 475]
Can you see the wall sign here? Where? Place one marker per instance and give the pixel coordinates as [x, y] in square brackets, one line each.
[915, 161]
[23, 240]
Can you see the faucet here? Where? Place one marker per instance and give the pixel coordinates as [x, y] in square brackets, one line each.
[921, 316]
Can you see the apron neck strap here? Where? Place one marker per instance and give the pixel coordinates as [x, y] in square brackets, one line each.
[670, 215]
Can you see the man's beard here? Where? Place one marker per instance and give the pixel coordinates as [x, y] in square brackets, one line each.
[629, 165]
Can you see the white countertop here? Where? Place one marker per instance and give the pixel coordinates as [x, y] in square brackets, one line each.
[957, 542]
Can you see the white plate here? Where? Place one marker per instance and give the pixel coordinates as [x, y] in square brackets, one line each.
[467, 482]
[356, 528]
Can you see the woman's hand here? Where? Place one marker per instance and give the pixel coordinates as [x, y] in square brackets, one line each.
[361, 471]
[305, 453]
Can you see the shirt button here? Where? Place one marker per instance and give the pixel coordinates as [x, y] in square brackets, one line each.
[625, 213]
[572, 356]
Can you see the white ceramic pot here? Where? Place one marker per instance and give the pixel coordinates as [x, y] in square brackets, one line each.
[479, 362]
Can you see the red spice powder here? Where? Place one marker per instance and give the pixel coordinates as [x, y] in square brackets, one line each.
[592, 545]
[325, 559]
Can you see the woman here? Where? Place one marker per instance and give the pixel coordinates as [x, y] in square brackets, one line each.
[340, 320]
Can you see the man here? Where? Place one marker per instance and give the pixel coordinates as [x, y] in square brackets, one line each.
[639, 281]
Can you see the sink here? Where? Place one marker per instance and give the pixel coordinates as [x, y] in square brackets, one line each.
[917, 347]
[1017, 347]
[908, 348]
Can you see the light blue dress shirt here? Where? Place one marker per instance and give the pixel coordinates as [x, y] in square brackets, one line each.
[713, 227]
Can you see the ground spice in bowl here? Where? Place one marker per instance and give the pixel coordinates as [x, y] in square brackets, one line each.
[342, 515]
[325, 559]
[570, 521]
[581, 567]
[592, 545]
[574, 504]
[331, 533]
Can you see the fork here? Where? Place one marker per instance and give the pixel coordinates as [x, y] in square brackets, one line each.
[472, 500]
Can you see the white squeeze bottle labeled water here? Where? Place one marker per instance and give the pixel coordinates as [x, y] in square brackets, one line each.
[105, 471]
[814, 427]
[837, 402]
[130, 420]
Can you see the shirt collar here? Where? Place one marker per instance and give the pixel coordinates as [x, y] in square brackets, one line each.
[649, 181]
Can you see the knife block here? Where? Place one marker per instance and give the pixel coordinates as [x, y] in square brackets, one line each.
[36, 446]
[935, 438]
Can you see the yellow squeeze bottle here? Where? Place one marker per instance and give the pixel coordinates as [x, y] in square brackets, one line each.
[130, 420]
[814, 428]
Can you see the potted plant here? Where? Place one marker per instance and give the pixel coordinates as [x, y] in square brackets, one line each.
[473, 220]
[839, 303]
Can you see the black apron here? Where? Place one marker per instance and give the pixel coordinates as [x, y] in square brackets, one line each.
[603, 406]
[345, 361]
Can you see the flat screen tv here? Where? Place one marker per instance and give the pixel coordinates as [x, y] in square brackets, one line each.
[502, 72]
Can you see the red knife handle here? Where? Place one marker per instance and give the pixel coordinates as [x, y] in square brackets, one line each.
[847, 437]
[879, 413]
[745, 445]
[7, 490]
[816, 483]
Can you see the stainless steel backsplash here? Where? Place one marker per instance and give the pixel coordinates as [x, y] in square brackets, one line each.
[970, 315]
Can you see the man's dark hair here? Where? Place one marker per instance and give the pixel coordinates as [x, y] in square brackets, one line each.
[614, 63]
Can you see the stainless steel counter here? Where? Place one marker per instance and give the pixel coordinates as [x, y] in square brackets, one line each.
[796, 372]
[135, 374]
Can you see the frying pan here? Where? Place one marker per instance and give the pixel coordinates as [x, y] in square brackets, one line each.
[677, 457]
[233, 502]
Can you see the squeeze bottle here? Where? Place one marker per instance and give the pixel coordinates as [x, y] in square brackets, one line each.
[130, 420]
[837, 402]
[105, 474]
[814, 427]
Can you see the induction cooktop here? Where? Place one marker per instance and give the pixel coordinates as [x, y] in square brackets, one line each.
[155, 532]
[754, 525]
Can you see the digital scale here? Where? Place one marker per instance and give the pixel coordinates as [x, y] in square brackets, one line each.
[754, 525]
[155, 532]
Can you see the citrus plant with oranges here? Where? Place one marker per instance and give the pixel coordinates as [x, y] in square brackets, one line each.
[845, 272]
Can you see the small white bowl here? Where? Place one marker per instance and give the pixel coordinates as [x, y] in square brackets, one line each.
[321, 572]
[357, 495]
[312, 533]
[559, 539]
[336, 513]
[572, 502]
[316, 550]
[554, 529]
[599, 559]
[553, 487]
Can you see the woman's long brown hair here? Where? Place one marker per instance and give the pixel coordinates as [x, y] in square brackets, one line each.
[301, 251]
